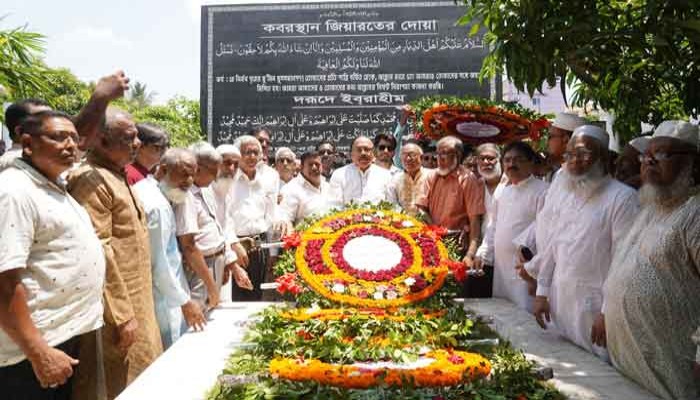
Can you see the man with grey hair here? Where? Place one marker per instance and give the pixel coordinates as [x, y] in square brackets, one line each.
[453, 197]
[252, 208]
[652, 307]
[285, 164]
[405, 186]
[175, 310]
[585, 216]
[202, 237]
[131, 339]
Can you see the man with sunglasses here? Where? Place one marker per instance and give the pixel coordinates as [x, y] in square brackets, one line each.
[384, 148]
[651, 316]
[584, 219]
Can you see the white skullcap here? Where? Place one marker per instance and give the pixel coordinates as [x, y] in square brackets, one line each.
[640, 144]
[568, 121]
[593, 132]
[224, 149]
[681, 130]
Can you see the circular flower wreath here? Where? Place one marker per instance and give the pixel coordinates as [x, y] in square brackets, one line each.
[337, 314]
[476, 121]
[320, 261]
[448, 368]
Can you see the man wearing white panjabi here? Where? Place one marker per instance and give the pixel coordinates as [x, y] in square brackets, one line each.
[361, 181]
[652, 296]
[588, 213]
[514, 211]
[252, 207]
[559, 134]
[306, 194]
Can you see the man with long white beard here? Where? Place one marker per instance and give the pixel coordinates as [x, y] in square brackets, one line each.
[514, 211]
[454, 198]
[652, 296]
[204, 244]
[587, 214]
[488, 165]
[175, 310]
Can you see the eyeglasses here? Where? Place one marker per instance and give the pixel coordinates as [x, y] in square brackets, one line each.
[326, 152]
[446, 154]
[659, 156]
[250, 153]
[488, 158]
[384, 147]
[411, 156]
[282, 160]
[581, 154]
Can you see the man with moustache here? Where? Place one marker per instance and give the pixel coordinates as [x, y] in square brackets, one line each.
[405, 186]
[513, 212]
[454, 198]
[51, 269]
[362, 181]
[627, 163]
[385, 147]
[307, 194]
[175, 310]
[651, 321]
[253, 209]
[262, 133]
[207, 252]
[130, 337]
[327, 151]
[585, 216]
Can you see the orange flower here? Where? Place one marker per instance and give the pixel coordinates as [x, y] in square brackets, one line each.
[449, 368]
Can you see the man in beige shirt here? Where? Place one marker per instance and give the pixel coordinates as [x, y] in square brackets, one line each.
[131, 338]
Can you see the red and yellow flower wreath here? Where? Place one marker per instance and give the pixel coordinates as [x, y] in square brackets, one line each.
[422, 270]
[448, 368]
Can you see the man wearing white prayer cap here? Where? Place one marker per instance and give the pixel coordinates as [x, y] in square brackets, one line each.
[559, 134]
[652, 307]
[627, 167]
[585, 216]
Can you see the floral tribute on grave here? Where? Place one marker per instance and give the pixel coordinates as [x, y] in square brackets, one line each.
[371, 315]
[475, 120]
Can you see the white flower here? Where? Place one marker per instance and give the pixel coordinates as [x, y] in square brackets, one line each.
[378, 295]
[407, 224]
[380, 214]
[391, 295]
[409, 281]
[338, 288]
[367, 218]
[314, 308]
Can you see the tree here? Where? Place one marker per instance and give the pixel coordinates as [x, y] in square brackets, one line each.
[140, 96]
[638, 59]
[179, 116]
[21, 70]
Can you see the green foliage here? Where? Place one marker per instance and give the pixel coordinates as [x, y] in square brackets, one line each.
[511, 375]
[21, 70]
[139, 96]
[636, 58]
[179, 117]
[65, 91]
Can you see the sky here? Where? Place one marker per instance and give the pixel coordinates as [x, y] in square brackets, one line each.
[155, 42]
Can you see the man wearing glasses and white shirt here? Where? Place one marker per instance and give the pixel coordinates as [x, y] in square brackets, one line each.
[362, 181]
[307, 194]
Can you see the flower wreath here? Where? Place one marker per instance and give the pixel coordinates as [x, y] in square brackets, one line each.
[476, 121]
[337, 314]
[448, 368]
[320, 259]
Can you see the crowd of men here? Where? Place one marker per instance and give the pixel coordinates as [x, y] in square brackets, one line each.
[114, 243]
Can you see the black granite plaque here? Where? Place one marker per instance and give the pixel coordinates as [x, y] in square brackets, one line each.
[331, 71]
